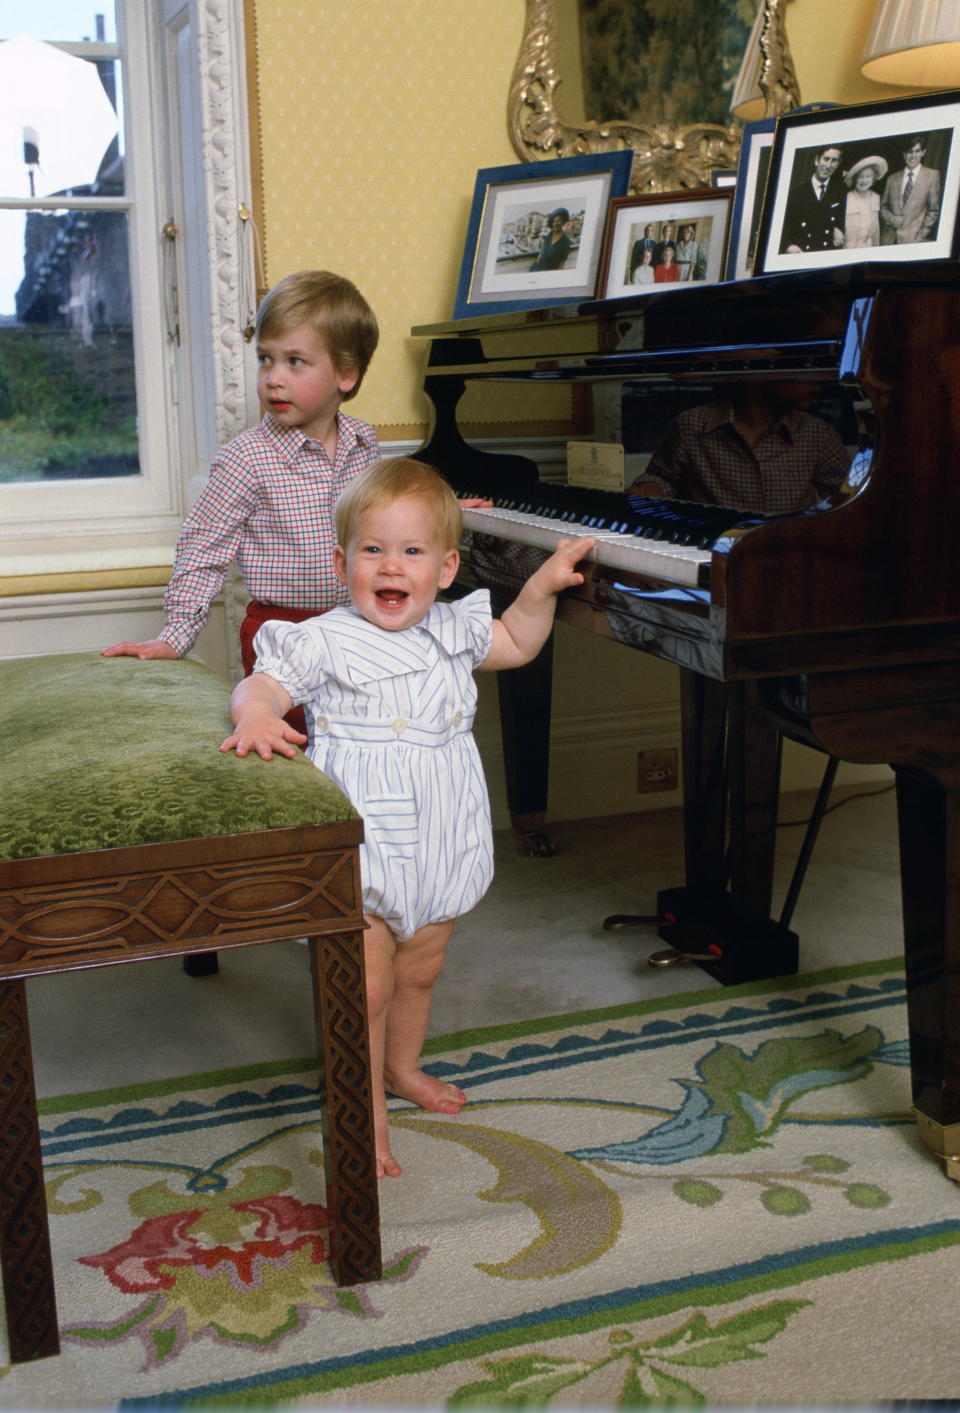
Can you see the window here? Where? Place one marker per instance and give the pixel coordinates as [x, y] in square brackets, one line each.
[123, 277]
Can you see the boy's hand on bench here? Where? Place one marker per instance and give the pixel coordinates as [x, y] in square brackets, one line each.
[155, 647]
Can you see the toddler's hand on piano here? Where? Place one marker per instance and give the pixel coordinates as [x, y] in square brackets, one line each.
[525, 626]
[559, 572]
[475, 503]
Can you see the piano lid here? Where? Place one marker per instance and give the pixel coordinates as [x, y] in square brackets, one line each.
[792, 323]
[795, 286]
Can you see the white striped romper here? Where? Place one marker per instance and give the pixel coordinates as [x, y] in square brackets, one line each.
[390, 717]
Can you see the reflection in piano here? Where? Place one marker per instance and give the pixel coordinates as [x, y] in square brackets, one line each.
[840, 627]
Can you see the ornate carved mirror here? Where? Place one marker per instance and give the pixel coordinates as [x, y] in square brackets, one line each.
[668, 157]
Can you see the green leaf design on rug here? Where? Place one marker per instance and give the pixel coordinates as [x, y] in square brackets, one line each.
[740, 1100]
[755, 1091]
[579, 1215]
[532, 1379]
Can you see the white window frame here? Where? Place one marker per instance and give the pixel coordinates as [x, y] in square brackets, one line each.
[187, 162]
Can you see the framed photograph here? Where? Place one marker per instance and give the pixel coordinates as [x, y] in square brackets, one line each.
[665, 241]
[873, 181]
[755, 148]
[536, 232]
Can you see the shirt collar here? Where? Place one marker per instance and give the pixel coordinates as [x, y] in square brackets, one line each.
[720, 414]
[290, 440]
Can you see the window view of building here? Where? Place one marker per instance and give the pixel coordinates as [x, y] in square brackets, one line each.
[67, 365]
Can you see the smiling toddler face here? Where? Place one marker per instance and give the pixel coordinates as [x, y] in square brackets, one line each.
[395, 564]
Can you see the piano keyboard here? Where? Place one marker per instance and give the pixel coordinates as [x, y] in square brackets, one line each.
[668, 540]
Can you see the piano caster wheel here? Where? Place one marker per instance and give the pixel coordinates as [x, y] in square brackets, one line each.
[618, 920]
[671, 957]
[537, 844]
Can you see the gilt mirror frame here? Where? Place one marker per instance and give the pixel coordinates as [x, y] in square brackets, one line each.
[666, 158]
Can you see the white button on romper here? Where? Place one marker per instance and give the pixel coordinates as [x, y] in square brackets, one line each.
[390, 719]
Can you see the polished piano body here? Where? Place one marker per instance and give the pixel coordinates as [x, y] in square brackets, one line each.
[840, 626]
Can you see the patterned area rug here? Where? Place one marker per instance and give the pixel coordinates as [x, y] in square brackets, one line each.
[712, 1198]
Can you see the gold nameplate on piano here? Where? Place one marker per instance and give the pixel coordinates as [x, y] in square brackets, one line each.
[596, 465]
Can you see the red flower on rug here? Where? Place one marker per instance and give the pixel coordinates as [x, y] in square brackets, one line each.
[262, 1231]
[251, 1273]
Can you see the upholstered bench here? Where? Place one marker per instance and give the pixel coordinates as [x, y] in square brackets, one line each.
[125, 835]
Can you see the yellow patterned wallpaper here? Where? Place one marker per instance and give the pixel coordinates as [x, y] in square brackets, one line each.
[374, 117]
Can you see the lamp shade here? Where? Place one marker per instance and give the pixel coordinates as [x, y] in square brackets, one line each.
[914, 43]
[748, 102]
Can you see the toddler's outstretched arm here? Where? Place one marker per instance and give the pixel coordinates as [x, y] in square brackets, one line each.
[525, 626]
[258, 705]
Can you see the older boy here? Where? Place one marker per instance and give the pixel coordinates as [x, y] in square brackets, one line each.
[269, 501]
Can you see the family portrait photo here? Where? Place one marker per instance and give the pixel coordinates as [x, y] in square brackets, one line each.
[862, 189]
[665, 241]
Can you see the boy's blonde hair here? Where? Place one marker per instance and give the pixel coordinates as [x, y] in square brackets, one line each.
[389, 480]
[333, 308]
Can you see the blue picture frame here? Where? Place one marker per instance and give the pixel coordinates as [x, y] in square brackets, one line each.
[516, 222]
[748, 193]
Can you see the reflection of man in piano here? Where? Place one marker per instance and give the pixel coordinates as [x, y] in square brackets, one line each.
[755, 448]
[813, 219]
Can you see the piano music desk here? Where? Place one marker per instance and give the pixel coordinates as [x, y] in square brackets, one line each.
[124, 836]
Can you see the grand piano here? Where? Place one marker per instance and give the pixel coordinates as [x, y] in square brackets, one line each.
[839, 627]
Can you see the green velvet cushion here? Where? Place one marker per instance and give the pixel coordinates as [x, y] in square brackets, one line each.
[100, 752]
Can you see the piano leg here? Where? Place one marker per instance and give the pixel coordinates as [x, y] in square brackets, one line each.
[703, 715]
[469, 471]
[910, 716]
[525, 701]
[929, 828]
[731, 763]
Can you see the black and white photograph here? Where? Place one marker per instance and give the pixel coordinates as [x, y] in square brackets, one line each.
[879, 181]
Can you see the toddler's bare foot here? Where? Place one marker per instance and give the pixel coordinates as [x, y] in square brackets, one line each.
[435, 1095]
[387, 1165]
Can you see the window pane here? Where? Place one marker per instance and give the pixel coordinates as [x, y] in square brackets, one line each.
[58, 122]
[69, 21]
[67, 386]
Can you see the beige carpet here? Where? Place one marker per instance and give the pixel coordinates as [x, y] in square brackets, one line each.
[713, 1198]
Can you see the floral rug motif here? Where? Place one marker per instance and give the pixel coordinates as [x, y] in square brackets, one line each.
[715, 1198]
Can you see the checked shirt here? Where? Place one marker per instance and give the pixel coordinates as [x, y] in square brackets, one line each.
[268, 505]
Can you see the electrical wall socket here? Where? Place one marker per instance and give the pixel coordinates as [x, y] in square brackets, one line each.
[656, 770]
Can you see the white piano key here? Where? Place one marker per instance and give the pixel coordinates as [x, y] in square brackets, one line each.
[678, 564]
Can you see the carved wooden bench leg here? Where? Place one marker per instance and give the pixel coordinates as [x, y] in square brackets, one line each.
[24, 1239]
[340, 1013]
